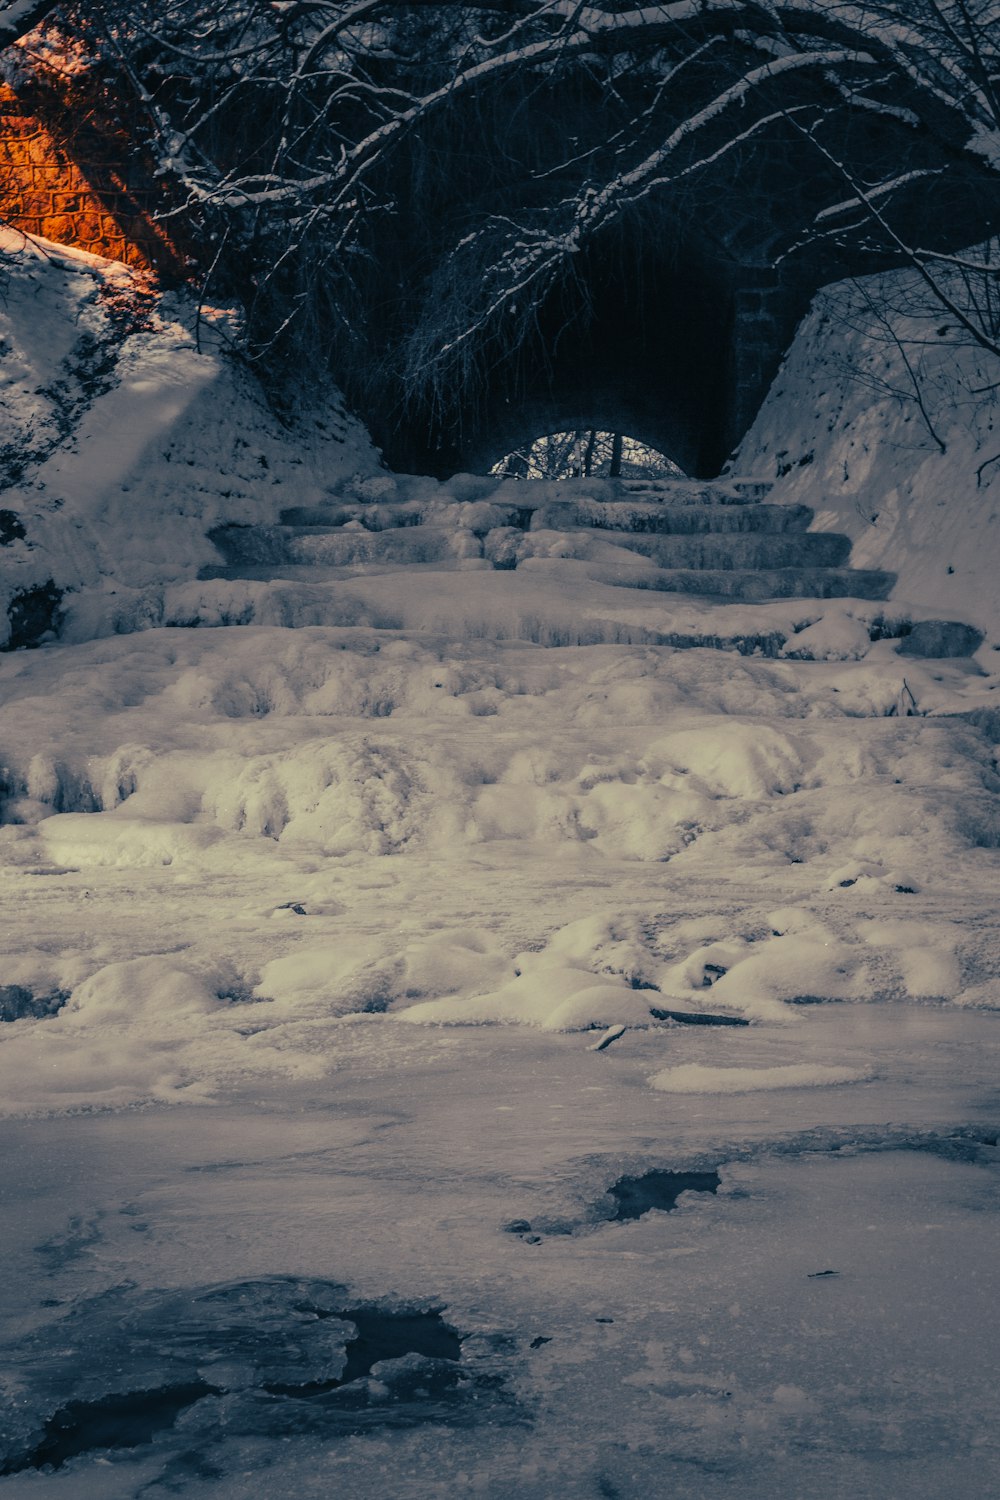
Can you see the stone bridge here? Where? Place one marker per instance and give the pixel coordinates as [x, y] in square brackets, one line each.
[69, 172]
[670, 327]
[678, 356]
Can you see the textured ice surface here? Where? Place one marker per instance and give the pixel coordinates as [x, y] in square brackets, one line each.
[274, 1358]
[824, 1322]
[243, 837]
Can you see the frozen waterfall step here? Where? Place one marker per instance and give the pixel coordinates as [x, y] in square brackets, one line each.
[341, 547]
[752, 585]
[478, 516]
[724, 585]
[299, 598]
[668, 519]
[735, 490]
[506, 546]
[515, 502]
[738, 550]
[389, 516]
[621, 514]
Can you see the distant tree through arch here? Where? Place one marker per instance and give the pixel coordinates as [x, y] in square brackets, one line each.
[586, 453]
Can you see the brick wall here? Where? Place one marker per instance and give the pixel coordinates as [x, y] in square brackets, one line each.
[69, 172]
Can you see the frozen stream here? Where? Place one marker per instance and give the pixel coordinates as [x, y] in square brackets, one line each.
[704, 1352]
[315, 1183]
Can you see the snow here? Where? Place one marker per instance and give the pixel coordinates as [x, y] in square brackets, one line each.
[384, 913]
[842, 430]
[694, 1078]
[839, 636]
[132, 466]
[482, 790]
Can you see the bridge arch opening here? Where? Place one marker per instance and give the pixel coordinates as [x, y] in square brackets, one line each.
[586, 452]
[636, 338]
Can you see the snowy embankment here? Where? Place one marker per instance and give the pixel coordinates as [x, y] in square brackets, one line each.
[885, 419]
[129, 430]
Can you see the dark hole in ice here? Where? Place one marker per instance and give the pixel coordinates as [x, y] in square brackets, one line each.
[239, 994]
[11, 527]
[636, 1196]
[696, 1017]
[270, 1358]
[390, 1335]
[523, 1230]
[121, 1421]
[382, 1335]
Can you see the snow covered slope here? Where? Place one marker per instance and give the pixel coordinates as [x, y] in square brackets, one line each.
[888, 425]
[128, 432]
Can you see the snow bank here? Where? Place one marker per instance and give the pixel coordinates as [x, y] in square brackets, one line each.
[854, 426]
[645, 968]
[130, 432]
[800, 961]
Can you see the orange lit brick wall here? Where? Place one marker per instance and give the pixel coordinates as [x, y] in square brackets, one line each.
[68, 172]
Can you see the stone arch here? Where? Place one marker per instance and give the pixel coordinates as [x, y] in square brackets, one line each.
[674, 344]
[531, 420]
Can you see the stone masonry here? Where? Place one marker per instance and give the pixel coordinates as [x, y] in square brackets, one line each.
[69, 173]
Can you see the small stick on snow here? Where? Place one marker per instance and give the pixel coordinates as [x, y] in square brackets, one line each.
[611, 1035]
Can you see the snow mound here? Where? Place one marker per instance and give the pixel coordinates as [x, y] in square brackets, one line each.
[641, 968]
[694, 1078]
